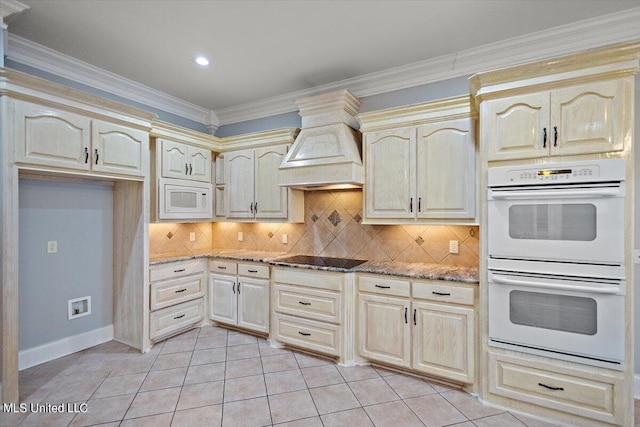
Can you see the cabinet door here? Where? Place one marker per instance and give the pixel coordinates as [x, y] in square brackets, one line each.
[253, 304]
[515, 127]
[446, 155]
[175, 160]
[390, 169]
[118, 149]
[589, 118]
[270, 198]
[50, 137]
[222, 299]
[199, 164]
[239, 179]
[384, 329]
[443, 341]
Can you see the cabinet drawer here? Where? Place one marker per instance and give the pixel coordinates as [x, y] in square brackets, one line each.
[320, 280]
[166, 293]
[223, 267]
[171, 319]
[443, 292]
[310, 303]
[253, 270]
[385, 286]
[318, 336]
[176, 269]
[565, 390]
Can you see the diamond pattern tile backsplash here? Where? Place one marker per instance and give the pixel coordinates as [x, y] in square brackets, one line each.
[332, 228]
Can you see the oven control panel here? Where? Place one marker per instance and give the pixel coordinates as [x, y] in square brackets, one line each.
[552, 174]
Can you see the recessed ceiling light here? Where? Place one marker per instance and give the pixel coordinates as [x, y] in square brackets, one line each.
[201, 60]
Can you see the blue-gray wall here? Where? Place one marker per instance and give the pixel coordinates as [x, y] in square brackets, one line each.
[80, 218]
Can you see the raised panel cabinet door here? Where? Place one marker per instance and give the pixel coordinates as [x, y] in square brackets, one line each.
[590, 118]
[199, 164]
[175, 159]
[223, 301]
[515, 127]
[253, 304]
[446, 170]
[118, 149]
[390, 174]
[443, 341]
[383, 332]
[51, 137]
[239, 184]
[270, 198]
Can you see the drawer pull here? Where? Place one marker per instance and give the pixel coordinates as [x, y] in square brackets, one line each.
[414, 317]
[179, 270]
[304, 334]
[181, 290]
[304, 303]
[221, 267]
[383, 287]
[179, 317]
[551, 388]
[252, 271]
[441, 293]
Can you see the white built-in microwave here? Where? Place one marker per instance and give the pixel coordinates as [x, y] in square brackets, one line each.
[180, 199]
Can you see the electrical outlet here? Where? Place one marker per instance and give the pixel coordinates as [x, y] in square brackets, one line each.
[192, 236]
[636, 256]
[285, 239]
[453, 246]
[52, 247]
[79, 307]
[240, 236]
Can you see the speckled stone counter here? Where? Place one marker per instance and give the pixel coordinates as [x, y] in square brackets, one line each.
[390, 268]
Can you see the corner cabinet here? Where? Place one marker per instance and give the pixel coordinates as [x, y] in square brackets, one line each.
[48, 138]
[430, 178]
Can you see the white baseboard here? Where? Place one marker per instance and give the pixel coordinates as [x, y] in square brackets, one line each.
[55, 349]
[636, 386]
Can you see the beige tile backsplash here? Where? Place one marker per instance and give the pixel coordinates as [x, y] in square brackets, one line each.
[333, 227]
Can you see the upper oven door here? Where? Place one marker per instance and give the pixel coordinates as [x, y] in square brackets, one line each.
[572, 223]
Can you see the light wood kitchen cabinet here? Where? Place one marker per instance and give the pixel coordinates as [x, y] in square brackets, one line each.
[54, 138]
[581, 119]
[219, 186]
[176, 297]
[239, 294]
[182, 161]
[423, 173]
[426, 329]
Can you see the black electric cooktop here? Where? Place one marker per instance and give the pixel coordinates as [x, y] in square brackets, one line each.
[323, 261]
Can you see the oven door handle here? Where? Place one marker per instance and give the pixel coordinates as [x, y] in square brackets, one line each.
[552, 194]
[543, 285]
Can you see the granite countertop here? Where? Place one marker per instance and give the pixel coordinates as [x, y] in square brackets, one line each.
[390, 268]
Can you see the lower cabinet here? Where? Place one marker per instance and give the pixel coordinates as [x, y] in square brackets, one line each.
[176, 297]
[239, 294]
[413, 325]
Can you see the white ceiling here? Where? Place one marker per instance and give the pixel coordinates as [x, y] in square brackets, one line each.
[260, 49]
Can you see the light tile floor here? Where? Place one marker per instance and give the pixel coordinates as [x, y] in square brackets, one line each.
[212, 377]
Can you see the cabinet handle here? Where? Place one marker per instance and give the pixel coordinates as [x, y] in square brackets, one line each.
[179, 317]
[405, 315]
[414, 317]
[97, 156]
[86, 154]
[411, 204]
[179, 271]
[186, 169]
[441, 293]
[551, 388]
[255, 207]
[251, 207]
[222, 267]
[190, 169]
[304, 334]
[234, 288]
[304, 303]
[419, 204]
[383, 287]
[252, 271]
[238, 288]
[181, 290]
[544, 137]
[555, 136]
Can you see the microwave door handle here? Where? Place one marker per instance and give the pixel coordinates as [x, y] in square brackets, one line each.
[543, 285]
[552, 194]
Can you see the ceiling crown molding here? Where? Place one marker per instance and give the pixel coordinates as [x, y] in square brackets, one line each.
[37, 56]
[10, 7]
[571, 38]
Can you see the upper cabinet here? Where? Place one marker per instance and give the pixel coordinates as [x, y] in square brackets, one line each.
[582, 119]
[420, 164]
[573, 105]
[181, 161]
[54, 138]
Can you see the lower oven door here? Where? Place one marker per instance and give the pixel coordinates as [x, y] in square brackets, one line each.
[561, 316]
